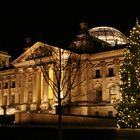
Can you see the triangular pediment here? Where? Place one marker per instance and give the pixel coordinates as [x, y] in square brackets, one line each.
[37, 50]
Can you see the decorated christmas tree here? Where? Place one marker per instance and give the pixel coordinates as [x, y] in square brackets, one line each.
[128, 107]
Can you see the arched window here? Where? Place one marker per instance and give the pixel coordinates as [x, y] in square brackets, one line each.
[112, 94]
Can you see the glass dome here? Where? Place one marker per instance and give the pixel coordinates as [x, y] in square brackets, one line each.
[109, 35]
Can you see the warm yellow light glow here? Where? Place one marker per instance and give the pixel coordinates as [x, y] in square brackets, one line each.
[10, 111]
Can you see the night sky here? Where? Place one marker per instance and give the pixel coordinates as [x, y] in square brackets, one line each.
[56, 22]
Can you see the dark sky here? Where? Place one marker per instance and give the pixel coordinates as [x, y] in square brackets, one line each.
[54, 22]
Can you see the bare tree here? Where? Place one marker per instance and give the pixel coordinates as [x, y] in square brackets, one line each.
[66, 67]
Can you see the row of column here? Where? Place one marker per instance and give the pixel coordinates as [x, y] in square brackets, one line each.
[32, 91]
[7, 90]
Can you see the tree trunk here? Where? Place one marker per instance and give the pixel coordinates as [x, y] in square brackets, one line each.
[59, 115]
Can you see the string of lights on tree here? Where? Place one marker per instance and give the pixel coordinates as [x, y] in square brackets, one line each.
[128, 107]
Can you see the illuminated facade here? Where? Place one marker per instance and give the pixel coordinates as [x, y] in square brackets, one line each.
[23, 88]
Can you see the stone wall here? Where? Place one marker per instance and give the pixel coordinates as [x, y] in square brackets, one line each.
[24, 117]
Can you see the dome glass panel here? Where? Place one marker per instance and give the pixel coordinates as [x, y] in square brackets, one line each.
[109, 35]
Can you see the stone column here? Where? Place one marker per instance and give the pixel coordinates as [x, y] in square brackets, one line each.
[24, 94]
[1, 94]
[44, 93]
[51, 98]
[37, 89]
[8, 91]
[21, 86]
[103, 74]
[17, 88]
